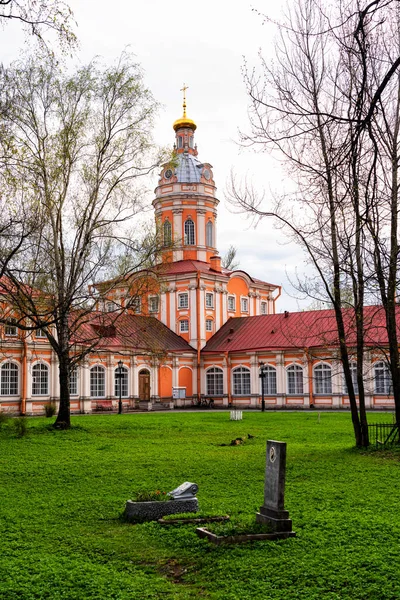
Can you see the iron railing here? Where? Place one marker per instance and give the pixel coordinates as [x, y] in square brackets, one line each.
[383, 434]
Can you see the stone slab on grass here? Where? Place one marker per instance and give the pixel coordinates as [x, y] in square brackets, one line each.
[152, 511]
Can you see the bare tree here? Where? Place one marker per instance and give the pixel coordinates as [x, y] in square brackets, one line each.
[80, 145]
[315, 105]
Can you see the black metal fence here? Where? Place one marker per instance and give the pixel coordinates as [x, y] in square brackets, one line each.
[383, 434]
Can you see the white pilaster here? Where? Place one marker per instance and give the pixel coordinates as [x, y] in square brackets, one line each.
[194, 334]
[280, 378]
[163, 303]
[177, 232]
[172, 308]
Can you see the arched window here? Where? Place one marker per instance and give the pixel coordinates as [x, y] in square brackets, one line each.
[189, 232]
[124, 382]
[97, 382]
[9, 379]
[269, 381]
[209, 234]
[167, 233]
[241, 381]
[382, 378]
[323, 379]
[295, 379]
[215, 382]
[353, 371]
[40, 380]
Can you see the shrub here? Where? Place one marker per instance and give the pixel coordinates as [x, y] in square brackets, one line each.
[21, 426]
[146, 496]
[50, 410]
[4, 418]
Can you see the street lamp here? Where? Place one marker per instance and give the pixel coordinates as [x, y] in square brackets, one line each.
[119, 376]
[263, 374]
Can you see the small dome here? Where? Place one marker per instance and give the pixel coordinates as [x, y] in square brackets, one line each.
[184, 122]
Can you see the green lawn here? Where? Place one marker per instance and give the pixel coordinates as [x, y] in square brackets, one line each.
[63, 493]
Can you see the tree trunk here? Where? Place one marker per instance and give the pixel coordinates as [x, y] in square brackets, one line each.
[63, 420]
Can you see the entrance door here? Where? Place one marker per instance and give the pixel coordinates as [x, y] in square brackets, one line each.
[144, 385]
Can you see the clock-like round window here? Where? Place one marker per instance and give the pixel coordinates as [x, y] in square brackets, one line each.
[168, 174]
[207, 174]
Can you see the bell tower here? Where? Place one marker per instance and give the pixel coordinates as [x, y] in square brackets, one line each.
[185, 204]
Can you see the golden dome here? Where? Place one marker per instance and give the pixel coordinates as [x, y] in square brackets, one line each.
[184, 122]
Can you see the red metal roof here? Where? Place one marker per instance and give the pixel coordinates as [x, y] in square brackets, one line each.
[310, 329]
[130, 332]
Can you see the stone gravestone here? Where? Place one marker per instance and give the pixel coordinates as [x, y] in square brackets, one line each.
[273, 511]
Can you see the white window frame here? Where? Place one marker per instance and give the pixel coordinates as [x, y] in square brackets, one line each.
[209, 234]
[167, 233]
[97, 385]
[190, 232]
[263, 307]
[9, 379]
[124, 382]
[269, 381]
[183, 300]
[137, 305]
[233, 299]
[209, 300]
[241, 381]
[244, 302]
[10, 330]
[383, 382]
[184, 326]
[353, 371]
[154, 304]
[73, 382]
[322, 379]
[40, 334]
[295, 383]
[209, 324]
[215, 381]
[40, 379]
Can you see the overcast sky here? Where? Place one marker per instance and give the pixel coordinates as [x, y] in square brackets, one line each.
[202, 45]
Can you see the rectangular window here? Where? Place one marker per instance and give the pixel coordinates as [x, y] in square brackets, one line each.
[10, 329]
[184, 326]
[40, 333]
[209, 325]
[263, 308]
[244, 305]
[136, 305]
[153, 303]
[73, 382]
[231, 303]
[209, 300]
[183, 300]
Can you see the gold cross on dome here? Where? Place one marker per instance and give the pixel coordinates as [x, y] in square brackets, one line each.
[185, 87]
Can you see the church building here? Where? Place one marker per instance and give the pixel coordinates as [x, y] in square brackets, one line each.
[199, 331]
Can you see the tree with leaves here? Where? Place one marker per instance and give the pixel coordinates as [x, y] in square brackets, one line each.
[39, 17]
[228, 260]
[76, 149]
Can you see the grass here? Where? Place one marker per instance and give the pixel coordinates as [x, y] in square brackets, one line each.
[63, 493]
